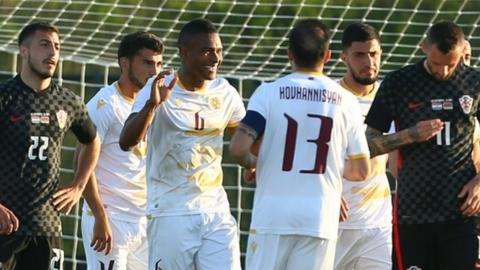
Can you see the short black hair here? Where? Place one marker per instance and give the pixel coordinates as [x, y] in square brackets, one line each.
[193, 28]
[30, 30]
[134, 42]
[446, 35]
[308, 42]
[358, 32]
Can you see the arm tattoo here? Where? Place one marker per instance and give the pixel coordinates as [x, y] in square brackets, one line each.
[248, 131]
[381, 144]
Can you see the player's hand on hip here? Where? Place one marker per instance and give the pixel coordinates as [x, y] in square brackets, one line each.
[425, 130]
[249, 175]
[65, 198]
[161, 92]
[343, 210]
[8, 221]
[471, 193]
[102, 235]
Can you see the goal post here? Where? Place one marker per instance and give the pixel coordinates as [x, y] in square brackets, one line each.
[254, 35]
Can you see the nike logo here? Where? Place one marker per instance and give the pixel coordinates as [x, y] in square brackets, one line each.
[414, 105]
[17, 118]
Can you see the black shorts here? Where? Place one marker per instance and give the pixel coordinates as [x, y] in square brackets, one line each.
[18, 252]
[440, 246]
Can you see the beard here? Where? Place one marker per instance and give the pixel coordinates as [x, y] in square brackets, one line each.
[37, 70]
[134, 79]
[364, 81]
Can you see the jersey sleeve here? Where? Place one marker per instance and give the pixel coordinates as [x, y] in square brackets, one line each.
[357, 142]
[238, 110]
[257, 111]
[381, 113]
[82, 126]
[101, 113]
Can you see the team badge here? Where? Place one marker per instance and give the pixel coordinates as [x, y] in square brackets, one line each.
[100, 103]
[62, 118]
[466, 103]
[254, 246]
[178, 102]
[414, 268]
[215, 103]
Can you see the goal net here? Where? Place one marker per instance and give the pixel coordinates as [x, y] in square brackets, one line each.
[254, 35]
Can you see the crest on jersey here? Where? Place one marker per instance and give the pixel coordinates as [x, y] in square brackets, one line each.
[466, 103]
[414, 268]
[62, 118]
[215, 103]
[100, 103]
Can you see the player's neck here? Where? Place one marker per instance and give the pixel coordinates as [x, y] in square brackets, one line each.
[356, 88]
[126, 87]
[34, 81]
[190, 82]
[318, 70]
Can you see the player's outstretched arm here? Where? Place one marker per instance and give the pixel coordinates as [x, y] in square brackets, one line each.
[241, 144]
[65, 198]
[137, 124]
[8, 221]
[379, 144]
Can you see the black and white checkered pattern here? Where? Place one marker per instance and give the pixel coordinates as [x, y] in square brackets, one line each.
[32, 128]
[433, 173]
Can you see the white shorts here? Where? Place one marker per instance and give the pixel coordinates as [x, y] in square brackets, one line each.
[129, 246]
[206, 241]
[364, 249]
[289, 252]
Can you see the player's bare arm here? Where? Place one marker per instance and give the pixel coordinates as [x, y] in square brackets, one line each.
[357, 169]
[137, 124]
[241, 144]
[379, 144]
[8, 221]
[65, 198]
[102, 232]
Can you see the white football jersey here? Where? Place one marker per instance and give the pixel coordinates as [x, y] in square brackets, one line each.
[369, 201]
[312, 127]
[120, 175]
[184, 160]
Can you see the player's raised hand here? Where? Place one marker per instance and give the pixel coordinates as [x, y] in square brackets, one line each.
[8, 221]
[161, 92]
[65, 198]
[425, 130]
[471, 193]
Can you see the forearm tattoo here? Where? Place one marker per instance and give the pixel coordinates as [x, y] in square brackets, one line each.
[380, 144]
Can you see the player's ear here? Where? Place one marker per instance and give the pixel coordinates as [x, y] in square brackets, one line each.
[425, 47]
[343, 56]
[327, 56]
[24, 50]
[123, 62]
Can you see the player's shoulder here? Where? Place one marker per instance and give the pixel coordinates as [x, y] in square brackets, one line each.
[104, 98]
[65, 93]
[405, 72]
[221, 82]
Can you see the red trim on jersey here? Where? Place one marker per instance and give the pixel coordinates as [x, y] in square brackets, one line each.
[396, 233]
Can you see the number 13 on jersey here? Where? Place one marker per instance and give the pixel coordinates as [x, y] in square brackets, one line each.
[321, 143]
